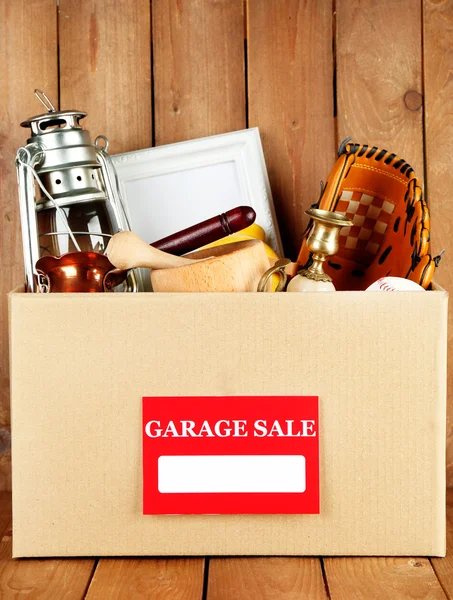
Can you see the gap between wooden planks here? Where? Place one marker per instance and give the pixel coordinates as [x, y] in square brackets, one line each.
[438, 92]
[28, 46]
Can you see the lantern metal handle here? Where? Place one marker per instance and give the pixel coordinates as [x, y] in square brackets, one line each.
[44, 99]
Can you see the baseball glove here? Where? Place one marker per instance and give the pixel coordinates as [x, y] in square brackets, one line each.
[382, 196]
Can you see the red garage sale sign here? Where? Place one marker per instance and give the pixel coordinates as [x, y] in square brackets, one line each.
[231, 455]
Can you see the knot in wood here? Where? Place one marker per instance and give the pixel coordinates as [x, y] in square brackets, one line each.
[416, 563]
[413, 100]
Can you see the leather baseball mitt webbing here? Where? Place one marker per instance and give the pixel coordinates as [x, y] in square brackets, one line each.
[382, 196]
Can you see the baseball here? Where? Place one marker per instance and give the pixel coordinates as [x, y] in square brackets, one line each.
[394, 284]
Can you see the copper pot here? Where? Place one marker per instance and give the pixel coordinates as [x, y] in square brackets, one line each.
[79, 272]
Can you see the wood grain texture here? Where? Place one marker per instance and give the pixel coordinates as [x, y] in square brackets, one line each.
[105, 68]
[199, 82]
[234, 267]
[156, 579]
[5, 458]
[378, 61]
[383, 578]
[5, 468]
[438, 61]
[290, 79]
[65, 579]
[266, 579]
[28, 46]
[5, 511]
[443, 567]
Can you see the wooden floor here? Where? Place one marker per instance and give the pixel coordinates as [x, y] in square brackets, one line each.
[224, 578]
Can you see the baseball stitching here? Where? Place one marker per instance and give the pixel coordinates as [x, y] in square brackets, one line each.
[385, 287]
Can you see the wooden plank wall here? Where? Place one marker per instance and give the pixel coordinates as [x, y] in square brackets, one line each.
[307, 72]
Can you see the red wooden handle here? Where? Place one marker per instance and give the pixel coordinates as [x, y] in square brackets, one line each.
[208, 231]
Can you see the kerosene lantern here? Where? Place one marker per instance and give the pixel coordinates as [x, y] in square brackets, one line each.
[68, 192]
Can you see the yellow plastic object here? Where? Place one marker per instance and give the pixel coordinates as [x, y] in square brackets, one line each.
[239, 237]
[254, 231]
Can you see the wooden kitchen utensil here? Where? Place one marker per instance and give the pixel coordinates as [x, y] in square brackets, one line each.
[126, 250]
[233, 267]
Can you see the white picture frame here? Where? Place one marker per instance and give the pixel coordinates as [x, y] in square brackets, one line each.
[171, 187]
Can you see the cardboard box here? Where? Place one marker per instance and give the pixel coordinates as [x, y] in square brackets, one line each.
[81, 363]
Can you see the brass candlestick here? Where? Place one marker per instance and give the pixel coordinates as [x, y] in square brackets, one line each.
[322, 241]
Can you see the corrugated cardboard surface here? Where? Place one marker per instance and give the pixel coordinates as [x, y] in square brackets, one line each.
[82, 362]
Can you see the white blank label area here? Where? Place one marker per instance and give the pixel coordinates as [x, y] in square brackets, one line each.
[231, 474]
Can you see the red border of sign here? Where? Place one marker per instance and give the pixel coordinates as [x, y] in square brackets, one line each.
[213, 408]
